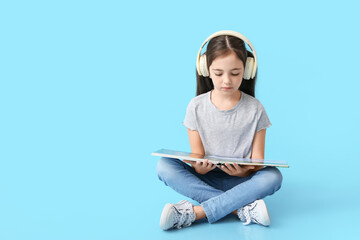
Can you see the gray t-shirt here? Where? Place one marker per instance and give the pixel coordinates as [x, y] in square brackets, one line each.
[226, 133]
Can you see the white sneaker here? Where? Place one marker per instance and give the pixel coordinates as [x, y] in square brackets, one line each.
[256, 212]
[177, 215]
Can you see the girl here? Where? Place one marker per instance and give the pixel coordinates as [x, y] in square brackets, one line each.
[224, 119]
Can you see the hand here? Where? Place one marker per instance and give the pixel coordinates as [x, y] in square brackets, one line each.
[201, 167]
[239, 170]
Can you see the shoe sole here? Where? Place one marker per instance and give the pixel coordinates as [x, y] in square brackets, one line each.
[165, 215]
[266, 219]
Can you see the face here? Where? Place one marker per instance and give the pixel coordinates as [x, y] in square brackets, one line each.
[226, 73]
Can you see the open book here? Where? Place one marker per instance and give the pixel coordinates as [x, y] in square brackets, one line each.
[218, 160]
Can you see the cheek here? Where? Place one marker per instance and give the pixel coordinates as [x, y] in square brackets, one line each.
[239, 81]
[216, 81]
[240, 78]
[213, 77]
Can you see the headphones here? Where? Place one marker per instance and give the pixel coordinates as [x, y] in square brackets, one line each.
[250, 65]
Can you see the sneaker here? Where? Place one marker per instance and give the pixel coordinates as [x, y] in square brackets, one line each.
[177, 215]
[255, 212]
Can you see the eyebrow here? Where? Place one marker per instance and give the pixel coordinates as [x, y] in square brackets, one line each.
[215, 69]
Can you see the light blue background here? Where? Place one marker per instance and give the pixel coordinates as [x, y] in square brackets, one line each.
[88, 89]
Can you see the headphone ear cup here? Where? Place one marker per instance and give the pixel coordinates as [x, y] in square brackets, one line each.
[203, 66]
[253, 72]
[249, 65]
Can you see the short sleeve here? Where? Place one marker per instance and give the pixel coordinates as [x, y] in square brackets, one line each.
[190, 119]
[263, 119]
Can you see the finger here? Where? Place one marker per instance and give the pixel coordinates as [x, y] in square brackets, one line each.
[250, 167]
[205, 163]
[237, 167]
[213, 166]
[210, 165]
[225, 169]
[240, 168]
[230, 167]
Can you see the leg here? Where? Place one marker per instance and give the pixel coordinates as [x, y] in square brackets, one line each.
[261, 184]
[186, 181]
[199, 212]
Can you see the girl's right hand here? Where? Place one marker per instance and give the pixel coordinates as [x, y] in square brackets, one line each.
[201, 167]
[238, 170]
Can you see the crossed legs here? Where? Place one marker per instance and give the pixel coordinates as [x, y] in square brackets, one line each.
[218, 193]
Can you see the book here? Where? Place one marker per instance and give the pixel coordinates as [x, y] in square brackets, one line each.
[217, 159]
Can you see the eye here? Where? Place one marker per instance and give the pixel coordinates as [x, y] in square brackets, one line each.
[235, 74]
[218, 74]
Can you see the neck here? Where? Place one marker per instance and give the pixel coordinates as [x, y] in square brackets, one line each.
[220, 97]
[224, 102]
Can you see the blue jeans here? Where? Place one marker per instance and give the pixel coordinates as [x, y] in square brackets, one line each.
[218, 193]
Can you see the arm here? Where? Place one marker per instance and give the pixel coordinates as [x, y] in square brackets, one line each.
[258, 147]
[197, 146]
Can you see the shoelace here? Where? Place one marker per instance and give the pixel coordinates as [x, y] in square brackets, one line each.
[247, 214]
[184, 216]
[184, 220]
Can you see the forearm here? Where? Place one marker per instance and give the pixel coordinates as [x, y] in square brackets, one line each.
[257, 157]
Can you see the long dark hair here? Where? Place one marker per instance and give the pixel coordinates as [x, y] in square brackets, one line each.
[219, 46]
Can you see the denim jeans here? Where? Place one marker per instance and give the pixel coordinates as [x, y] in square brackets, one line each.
[218, 193]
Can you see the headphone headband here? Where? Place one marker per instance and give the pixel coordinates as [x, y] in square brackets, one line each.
[230, 33]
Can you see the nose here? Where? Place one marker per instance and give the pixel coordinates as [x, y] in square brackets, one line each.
[226, 79]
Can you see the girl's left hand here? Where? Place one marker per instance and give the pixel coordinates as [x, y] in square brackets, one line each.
[239, 171]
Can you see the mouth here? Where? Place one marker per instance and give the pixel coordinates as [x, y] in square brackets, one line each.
[226, 88]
